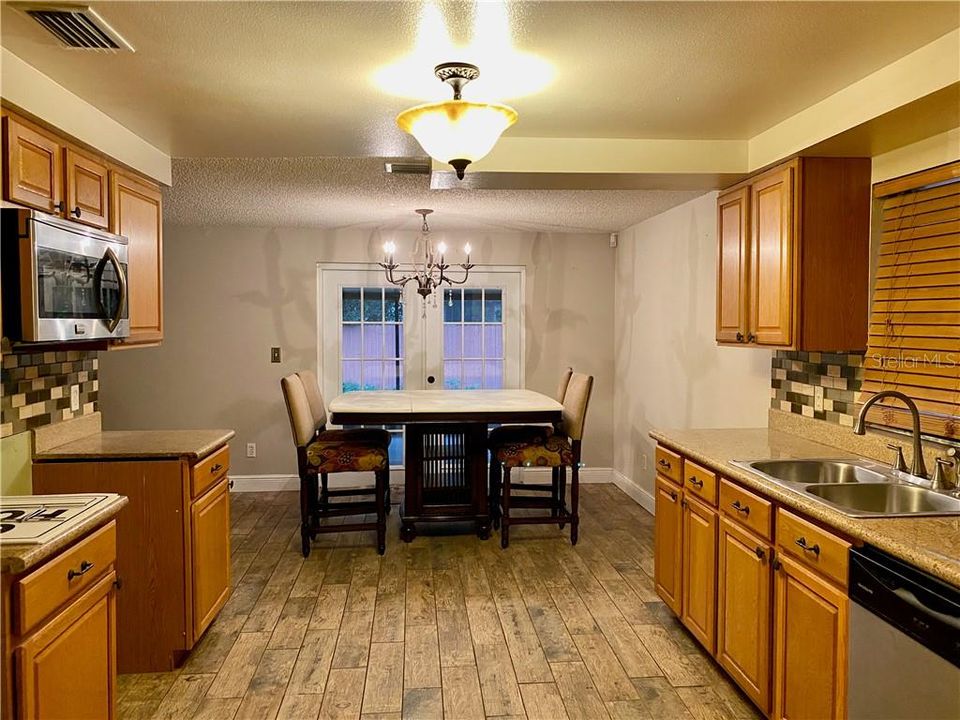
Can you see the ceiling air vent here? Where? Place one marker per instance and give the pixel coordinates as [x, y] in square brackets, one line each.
[76, 26]
[408, 167]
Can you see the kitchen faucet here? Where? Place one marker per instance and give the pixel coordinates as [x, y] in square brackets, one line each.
[919, 469]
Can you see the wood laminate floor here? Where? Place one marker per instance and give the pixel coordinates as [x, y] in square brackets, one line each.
[446, 627]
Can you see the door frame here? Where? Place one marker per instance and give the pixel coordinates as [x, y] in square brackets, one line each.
[375, 267]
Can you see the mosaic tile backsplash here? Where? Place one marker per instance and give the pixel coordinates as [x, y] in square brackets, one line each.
[36, 388]
[795, 377]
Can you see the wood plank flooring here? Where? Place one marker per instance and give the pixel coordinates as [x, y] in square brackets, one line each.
[445, 627]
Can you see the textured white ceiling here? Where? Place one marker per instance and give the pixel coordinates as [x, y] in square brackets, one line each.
[343, 192]
[291, 79]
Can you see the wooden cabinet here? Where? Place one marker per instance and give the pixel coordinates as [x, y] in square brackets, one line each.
[793, 256]
[59, 634]
[136, 213]
[699, 583]
[68, 668]
[810, 645]
[732, 265]
[32, 166]
[744, 606]
[668, 539]
[173, 550]
[210, 546]
[88, 189]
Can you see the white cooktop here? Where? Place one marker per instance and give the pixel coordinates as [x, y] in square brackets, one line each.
[36, 519]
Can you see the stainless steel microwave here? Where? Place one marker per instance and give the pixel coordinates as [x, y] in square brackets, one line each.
[62, 281]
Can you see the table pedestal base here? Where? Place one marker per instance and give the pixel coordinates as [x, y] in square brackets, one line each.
[445, 477]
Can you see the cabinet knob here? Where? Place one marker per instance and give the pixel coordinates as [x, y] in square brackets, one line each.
[673, 496]
[58, 206]
[751, 337]
[75, 212]
[760, 552]
[739, 336]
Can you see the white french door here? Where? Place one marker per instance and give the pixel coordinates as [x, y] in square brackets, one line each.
[375, 336]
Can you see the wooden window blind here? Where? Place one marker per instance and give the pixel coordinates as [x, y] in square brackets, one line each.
[914, 340]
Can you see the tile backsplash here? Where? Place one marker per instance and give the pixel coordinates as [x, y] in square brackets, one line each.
[796, 376]
[36, 388]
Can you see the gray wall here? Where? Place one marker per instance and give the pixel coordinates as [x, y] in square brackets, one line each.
[233, 292]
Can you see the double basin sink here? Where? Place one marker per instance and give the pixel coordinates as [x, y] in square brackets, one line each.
[858, 488]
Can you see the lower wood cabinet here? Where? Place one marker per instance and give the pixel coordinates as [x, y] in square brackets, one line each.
[810, 645]
[699, 585]
[744, 606]
[761, 588]
[173, 561]
[59, 634]
[668, 542]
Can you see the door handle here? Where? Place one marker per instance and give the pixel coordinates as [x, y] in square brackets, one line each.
[111, 257]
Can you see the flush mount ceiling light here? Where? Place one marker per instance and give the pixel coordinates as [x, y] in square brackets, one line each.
[457, 131]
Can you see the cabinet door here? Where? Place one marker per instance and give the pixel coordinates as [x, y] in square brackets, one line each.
[772, 263]
[700, 571]
[745, 589]
[135, 212]
[668, 536]
[32, 169]
[68, 668]
[810, 642]
[210, 551]
[87, 189]
[732, 257]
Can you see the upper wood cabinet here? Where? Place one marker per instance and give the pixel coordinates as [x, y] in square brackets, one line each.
[32, 167]
[794, 255]
[136, 213]
[88, 189]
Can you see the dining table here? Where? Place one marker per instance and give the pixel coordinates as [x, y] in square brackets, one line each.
[445, 445]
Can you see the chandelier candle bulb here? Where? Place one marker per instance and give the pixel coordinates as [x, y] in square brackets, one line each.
[466, 251]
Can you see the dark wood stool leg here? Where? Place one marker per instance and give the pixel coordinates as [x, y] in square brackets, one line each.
[575, 502]
[496, 470]
[554, 491]
[505, 509]
[382, 483]
[307, 489]
[562, 487]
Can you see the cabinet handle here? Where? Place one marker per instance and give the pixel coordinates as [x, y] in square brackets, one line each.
[673, 496]
[663, 463]
[751, 337]
[696, 482]
[739, 336]
[802, 543]
[745, 509]
[230, 484]
[216, 468]
[85, 567]
[777, 565]
[75, 212]
[58, 206]
[759, 552]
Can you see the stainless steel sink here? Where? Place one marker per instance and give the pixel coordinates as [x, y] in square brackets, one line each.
[856, 487]
[808, 472]
[887, 499]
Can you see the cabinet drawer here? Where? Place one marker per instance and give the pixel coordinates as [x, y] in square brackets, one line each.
[207, 471]
[700, 481]
[813, 546]
[670, 465]
[64, 577]
[750, 510]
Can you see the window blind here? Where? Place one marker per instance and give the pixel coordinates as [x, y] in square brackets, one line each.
[914, 339]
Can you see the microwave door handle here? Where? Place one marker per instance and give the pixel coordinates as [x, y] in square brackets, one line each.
[111, 257]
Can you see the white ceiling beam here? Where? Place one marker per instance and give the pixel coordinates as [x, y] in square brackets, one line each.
[25, 87]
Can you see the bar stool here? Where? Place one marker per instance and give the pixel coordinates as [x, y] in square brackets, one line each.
[505, 434]
[321, 452]
[560, 449]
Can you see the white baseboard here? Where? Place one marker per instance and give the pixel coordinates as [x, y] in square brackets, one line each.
[643, 498]
[279, 483]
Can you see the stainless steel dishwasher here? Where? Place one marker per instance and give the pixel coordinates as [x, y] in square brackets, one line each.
[904, 660]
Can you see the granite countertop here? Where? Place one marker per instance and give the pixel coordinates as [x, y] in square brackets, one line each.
[929, 543]
[133, 444]
[20, 558]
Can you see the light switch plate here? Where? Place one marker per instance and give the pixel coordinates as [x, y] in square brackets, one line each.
[74, 397]
[818, 398]
[274, 354]
[251, 450]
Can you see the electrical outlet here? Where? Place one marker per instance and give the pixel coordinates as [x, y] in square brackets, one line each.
[251, 450]
[74, 397]
[643, 461]
[274, 354]
[818, 398]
